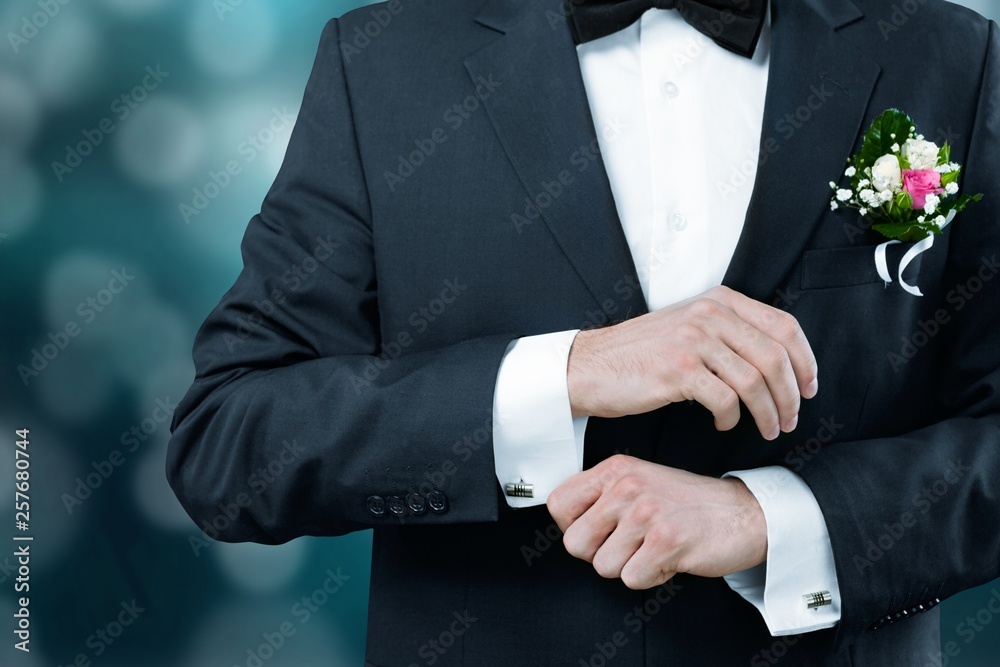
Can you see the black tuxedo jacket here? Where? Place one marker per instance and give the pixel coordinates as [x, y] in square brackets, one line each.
[443, 194]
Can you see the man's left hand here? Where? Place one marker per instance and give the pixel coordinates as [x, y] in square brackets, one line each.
[644, 522]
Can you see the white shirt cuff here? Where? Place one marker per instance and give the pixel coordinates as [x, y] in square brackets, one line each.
[536, 440]
[799, 556]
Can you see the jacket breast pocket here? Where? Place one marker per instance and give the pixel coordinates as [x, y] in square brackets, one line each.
[847, 267]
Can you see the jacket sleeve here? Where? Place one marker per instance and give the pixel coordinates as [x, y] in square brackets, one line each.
[914, 519]
[300, 421]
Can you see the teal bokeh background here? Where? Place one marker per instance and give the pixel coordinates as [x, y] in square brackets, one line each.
[100, 245]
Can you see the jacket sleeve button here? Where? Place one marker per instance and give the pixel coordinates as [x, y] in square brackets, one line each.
[376, 506]
[416, 503]
[438, 502]
[396, 506]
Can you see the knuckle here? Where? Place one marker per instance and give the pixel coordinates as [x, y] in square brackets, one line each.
[575, 543]
[752, 382]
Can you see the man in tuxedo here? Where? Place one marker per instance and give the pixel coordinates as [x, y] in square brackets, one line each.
[553, 298]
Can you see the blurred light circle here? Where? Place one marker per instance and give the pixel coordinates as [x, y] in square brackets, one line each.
[20, 113]
[260, 568]
[148, 339]
[153, 495]
[80, 288]
[231, 39]
[255, 130]
[64, 58]
[161, 142]
[21, 193]
[171, 380]
[77, 384]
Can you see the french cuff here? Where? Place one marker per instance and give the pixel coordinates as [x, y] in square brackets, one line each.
[536, 441]
[795, 589]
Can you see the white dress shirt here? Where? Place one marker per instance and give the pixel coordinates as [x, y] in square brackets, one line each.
[679, 123]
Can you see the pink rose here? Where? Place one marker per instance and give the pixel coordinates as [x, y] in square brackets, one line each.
[920, 183]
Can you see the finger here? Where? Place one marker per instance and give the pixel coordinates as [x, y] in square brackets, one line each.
[585, 537]
[772, 366]
[721, 400]
[617, 549]
[648, 567]
[751, 385]
[568, 501]
[783, 328]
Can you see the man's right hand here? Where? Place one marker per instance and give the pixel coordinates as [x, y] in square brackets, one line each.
[716, 348]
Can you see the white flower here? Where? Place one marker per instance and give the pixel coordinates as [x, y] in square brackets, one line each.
[869, 197]
[850, 172]
[885, 196]
[920, 154]
[834, 205]
[833, 186]
[940, 220]
[844, 195]
[864, 211]
[951, 188]
[887, 174]
[921, 218]
[895, 148]
[864, 184]
[931, 204]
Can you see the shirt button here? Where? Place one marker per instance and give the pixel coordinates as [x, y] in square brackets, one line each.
[670, 89]
[678, 222]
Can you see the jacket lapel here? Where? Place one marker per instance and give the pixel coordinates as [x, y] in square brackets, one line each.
[818, 92]
[542, 118]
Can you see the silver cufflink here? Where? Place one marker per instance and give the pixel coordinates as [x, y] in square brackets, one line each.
[520, 490]
[820, 599]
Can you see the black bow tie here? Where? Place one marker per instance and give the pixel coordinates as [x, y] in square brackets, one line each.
[732, 24]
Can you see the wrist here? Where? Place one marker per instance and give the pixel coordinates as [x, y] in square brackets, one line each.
[579, 376]
[751, 521]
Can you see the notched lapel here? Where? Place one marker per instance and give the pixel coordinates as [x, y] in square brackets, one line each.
[542, 118]
[819, 88]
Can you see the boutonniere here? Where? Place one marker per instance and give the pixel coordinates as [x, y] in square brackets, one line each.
[904, 186]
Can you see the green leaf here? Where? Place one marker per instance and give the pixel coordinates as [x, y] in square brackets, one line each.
[904, 231]
[879, 140]
[944, 155]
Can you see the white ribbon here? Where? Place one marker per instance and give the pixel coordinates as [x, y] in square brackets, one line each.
[882, 263]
